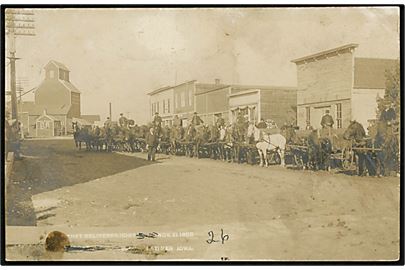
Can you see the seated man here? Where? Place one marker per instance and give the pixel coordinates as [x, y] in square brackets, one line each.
[177, 121]
[122, 121]
[261, 124]
[196, 120]
[157, 123]
[220, 122]
[107, 123]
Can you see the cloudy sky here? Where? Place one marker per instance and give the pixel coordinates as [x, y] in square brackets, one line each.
[120, 55]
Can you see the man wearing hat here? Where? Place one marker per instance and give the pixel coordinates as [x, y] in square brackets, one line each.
[388, 114]
[123, 121]
[107, 123]
[196, 120]
[327, 120]
[157, 123]
[220, 122]
[177, 121]
[152, 143]
[262, 124]
[327, 124]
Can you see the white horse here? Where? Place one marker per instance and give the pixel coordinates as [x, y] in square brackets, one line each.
[269, 142]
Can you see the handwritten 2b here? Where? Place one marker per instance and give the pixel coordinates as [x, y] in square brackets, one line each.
[224, 237]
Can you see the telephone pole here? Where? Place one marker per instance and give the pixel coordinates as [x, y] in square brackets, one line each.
[19, 22]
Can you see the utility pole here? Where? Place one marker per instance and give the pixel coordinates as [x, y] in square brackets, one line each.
[19, 22]
[110, 113]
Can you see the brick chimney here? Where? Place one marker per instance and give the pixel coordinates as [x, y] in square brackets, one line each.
[217, 81]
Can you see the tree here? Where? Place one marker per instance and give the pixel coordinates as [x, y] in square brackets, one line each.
[392, 91]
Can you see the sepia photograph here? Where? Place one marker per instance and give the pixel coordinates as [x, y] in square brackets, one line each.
[201, 134]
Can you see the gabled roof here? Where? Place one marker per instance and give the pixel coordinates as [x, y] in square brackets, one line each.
[47, 116]
[57, 64]
[70, 86]
[369, 73]
[91, 118]
[159, 90]
[350, 46]
[81, 121]
[263, 87]
[50, 110]
[202, 88]
[168, 87]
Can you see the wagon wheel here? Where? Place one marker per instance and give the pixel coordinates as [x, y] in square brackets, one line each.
[173, 148]
[347, 158]
[298, 161]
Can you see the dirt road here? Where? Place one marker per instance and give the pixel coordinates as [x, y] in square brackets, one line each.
[264, 213]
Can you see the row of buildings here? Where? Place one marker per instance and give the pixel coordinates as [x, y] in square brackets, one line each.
[209, 99]
[57, 103]
[334, 80]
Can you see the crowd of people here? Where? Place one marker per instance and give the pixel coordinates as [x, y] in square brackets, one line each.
[383, 153]
[156, 129]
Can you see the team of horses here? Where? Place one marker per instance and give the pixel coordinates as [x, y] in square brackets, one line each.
[309, 149]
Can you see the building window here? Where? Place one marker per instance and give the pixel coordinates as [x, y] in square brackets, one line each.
[61, 74]
[164, 106]
[339, 115]
[308, 115]
[183, 99]
[168, 105]
[190, 97]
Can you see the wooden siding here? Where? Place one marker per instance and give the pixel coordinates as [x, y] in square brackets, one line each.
[325, 79]
[52, 92]
[182, 98]
[75, 107]
[325, 82]
[316, 121]
[278, 105]
[216, 101]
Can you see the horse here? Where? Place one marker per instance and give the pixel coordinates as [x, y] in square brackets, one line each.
[81, 134]
[213, 147]
[176, 135]
[94, 138]
[225, 143]
[357, 135]
[386, 139]
[165, 144]
[189, 141]
[200, 139]
[269, 142]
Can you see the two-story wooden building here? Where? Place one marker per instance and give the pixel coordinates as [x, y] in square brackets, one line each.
[336, 81]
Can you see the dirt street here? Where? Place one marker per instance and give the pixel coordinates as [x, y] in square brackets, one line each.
[200, 209]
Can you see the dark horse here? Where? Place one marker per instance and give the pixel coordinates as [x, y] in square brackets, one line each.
[357, 135]
[81, 134]
[385, 139]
